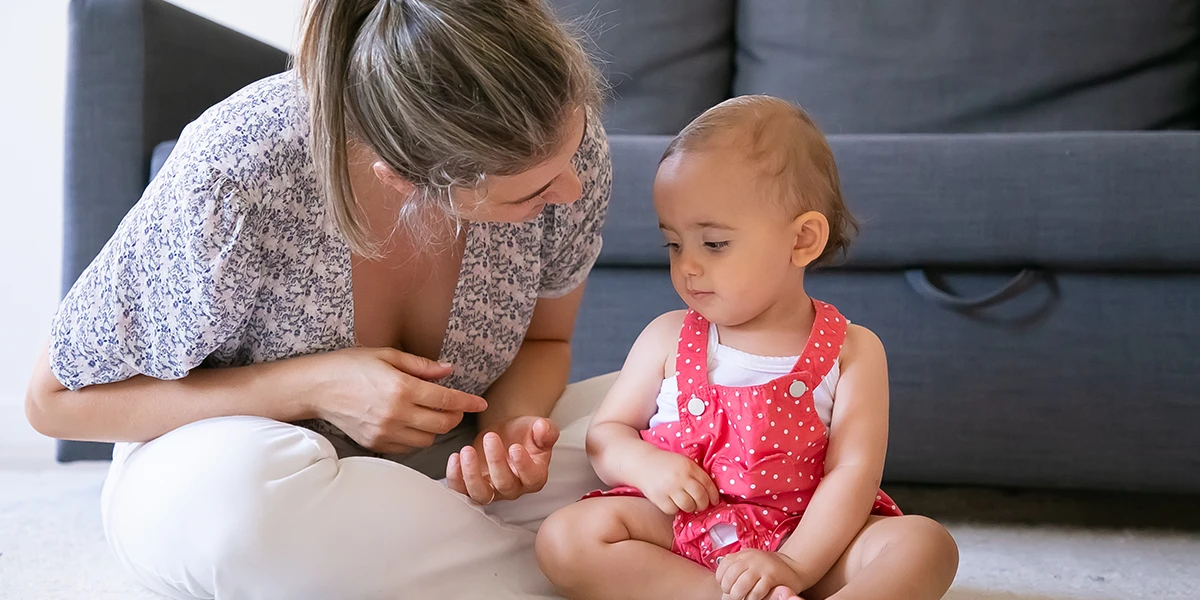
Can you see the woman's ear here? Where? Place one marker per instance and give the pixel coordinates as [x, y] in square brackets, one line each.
[811, 231]
[390, 178]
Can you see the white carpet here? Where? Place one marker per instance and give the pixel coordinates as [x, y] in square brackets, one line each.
[1015, 546]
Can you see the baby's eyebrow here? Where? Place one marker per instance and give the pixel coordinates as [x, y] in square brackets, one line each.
[702, 225]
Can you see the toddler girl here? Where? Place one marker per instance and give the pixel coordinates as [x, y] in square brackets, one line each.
[745, 436]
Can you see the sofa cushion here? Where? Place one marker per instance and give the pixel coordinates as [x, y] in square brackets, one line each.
[943, 66]
[666, 61]
[1079, 201]
[159, 157]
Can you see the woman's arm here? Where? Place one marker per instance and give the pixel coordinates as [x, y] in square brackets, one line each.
[142, 408]
[380, 397]
[853, 462]
[511, 453]
[538, 375]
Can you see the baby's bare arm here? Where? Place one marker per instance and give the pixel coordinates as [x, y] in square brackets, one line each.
[854, 461]
[613, 442]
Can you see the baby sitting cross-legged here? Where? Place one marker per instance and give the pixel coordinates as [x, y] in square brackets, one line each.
[745, 436]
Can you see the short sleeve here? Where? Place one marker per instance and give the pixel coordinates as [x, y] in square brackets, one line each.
[176, 281]
[571, 232]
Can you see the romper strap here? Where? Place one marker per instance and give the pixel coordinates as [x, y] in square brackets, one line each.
[691, 362]
[824, 342]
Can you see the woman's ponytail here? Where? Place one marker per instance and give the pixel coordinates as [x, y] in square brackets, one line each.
[327, 37]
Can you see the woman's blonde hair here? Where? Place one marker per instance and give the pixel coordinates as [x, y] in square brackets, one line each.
[446, 92]
[782, 142]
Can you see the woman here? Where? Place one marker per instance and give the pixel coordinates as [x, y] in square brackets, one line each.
[344, 274]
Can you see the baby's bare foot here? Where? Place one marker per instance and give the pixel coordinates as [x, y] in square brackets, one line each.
[784, 592]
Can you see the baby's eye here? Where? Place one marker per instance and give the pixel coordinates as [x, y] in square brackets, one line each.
[715, 245]
[672, 246]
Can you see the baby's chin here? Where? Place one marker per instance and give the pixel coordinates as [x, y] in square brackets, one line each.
[711, 311]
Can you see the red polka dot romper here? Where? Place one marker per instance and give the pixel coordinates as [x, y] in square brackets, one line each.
[763, 445]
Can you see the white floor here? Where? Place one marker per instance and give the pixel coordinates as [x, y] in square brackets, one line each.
[20, 445]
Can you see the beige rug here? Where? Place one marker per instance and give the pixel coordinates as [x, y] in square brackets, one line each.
[1015, 546]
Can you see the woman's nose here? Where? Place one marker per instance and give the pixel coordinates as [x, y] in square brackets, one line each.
[567, 188]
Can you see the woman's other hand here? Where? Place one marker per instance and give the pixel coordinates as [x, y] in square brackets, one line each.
[385, 400]
[515, 461]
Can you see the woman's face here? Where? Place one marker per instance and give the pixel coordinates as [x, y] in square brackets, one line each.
[521, 197]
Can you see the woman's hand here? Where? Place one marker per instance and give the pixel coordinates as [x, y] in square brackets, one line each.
[384, 399]
[504, 474]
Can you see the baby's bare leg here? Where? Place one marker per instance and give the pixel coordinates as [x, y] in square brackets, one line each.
[618, 547]
[901, 558]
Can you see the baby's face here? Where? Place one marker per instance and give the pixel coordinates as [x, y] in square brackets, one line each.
[730, 247]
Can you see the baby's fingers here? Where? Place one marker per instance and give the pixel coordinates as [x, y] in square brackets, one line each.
[699, 494]
[710, 487]
[683, 500]
[745, 582]
[760, 590]
[714, 493]
[728, 572]
[667, 505]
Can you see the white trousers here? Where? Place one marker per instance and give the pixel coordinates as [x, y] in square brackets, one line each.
[246, 508]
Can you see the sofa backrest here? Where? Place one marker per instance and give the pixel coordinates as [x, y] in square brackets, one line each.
[666, 61]
[905, 66]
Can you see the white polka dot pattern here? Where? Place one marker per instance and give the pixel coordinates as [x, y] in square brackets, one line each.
[769, 468]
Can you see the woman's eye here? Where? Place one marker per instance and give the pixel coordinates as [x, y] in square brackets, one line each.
[715, 245]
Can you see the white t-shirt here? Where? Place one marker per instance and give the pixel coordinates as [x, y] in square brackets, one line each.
[731, 367]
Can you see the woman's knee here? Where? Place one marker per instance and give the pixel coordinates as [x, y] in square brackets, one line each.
[205, 498]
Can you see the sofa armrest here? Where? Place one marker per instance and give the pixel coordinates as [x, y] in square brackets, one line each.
[138, 71]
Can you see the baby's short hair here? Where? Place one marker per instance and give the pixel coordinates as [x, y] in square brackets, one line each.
[789, 151]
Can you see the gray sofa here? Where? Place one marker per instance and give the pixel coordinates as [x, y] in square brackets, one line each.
[1030, 250]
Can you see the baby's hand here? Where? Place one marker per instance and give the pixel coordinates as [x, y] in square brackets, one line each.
[759, 575]
[673, 482]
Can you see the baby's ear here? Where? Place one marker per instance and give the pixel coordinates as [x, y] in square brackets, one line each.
[811, 231]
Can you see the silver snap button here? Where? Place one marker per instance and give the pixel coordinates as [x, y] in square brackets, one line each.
[797, 389]
[695, 406]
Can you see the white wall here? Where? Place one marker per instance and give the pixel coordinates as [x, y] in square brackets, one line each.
[272, 21]
[33, 46]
